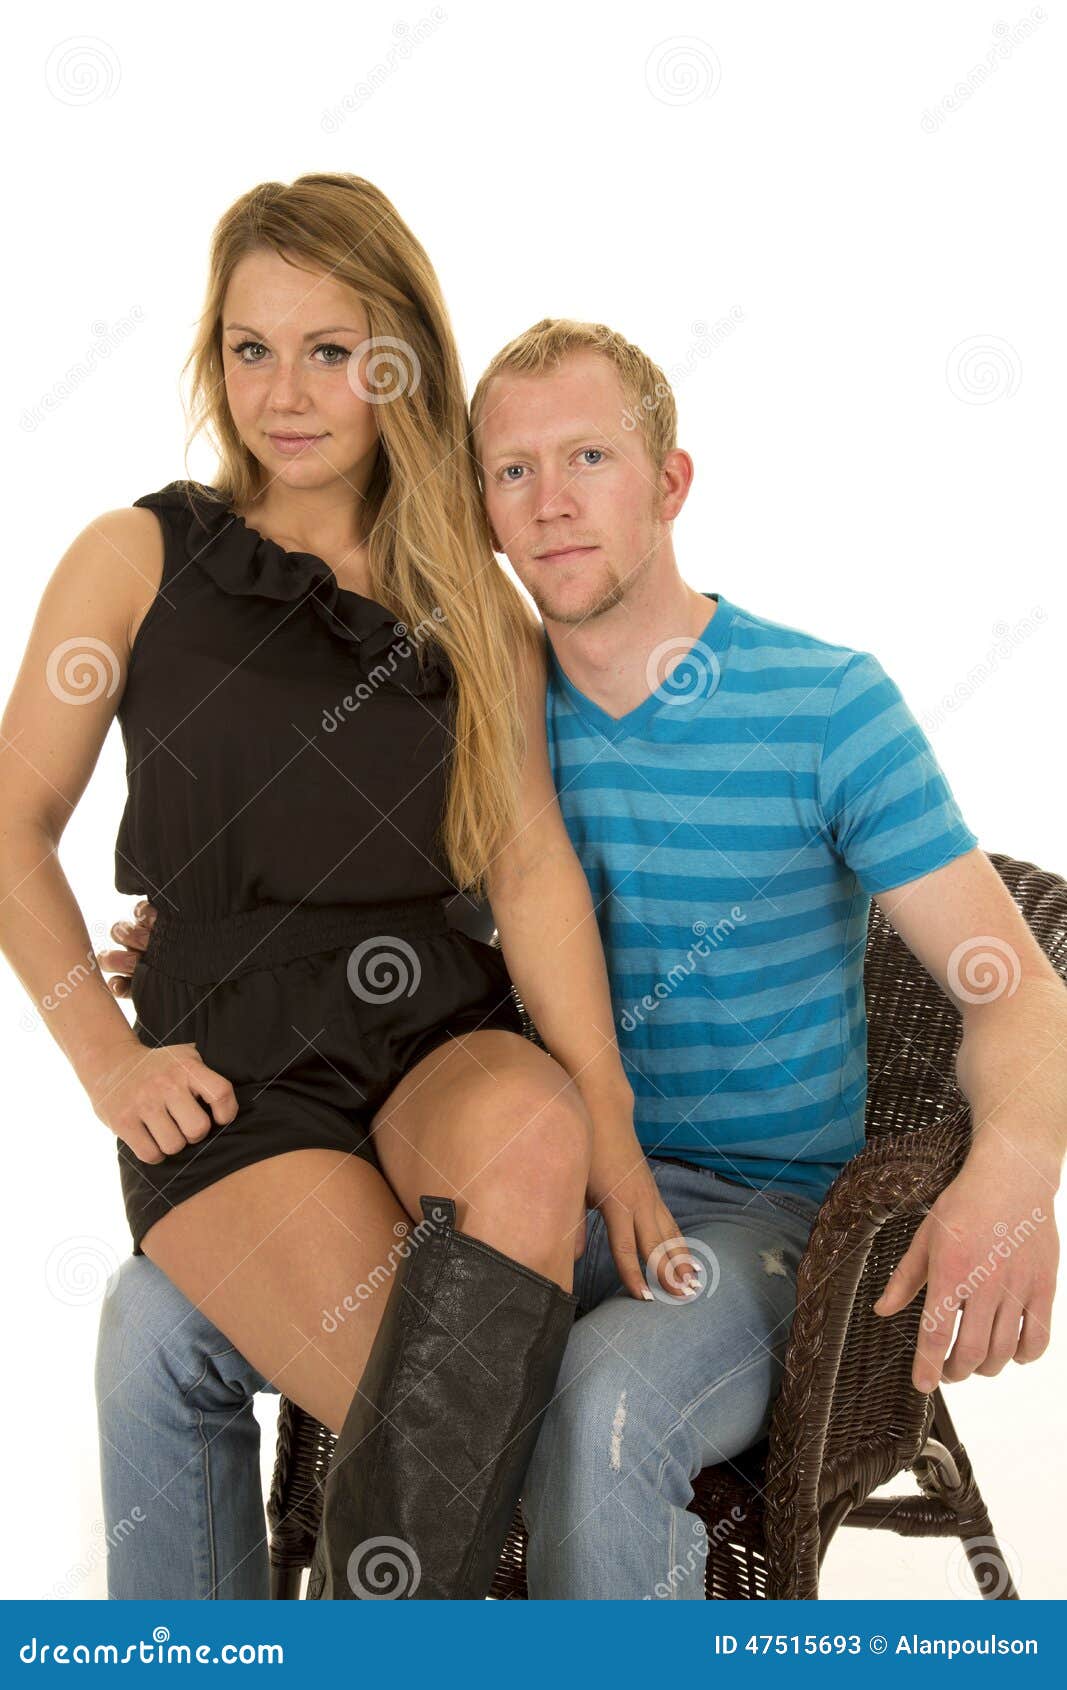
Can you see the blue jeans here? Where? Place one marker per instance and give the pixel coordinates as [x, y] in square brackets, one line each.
[649, 1393]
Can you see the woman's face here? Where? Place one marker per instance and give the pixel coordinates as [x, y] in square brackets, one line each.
[288, 338]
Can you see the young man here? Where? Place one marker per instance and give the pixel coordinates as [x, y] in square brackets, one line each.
[737, 791]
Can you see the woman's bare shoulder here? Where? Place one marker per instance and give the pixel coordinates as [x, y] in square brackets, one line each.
[118, 558]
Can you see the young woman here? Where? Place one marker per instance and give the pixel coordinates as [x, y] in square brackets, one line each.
[331, 699]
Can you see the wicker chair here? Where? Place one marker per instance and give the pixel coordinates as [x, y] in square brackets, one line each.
[847, 1418]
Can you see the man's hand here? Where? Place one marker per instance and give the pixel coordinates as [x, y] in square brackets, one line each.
[639, 1224]
[989, 1246]
[117, 966]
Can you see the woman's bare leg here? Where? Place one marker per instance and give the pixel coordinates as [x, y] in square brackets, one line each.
[492, 1121]
[292, 1259]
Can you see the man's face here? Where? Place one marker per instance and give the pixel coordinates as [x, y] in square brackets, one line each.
[571, 494]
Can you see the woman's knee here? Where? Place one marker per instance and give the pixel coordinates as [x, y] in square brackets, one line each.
[534, 1135]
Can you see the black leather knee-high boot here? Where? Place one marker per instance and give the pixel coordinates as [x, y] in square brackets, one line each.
[426, 1473]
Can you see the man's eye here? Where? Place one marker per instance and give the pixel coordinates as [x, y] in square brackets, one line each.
[505, 474]
[587, 449]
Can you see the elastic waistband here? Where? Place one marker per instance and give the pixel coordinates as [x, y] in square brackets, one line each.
[203, 952]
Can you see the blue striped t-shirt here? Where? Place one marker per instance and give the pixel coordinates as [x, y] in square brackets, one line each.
[732, 828]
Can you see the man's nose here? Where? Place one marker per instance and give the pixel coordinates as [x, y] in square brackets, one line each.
[558, 497]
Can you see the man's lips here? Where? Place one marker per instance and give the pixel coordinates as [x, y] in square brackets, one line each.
[564, 552]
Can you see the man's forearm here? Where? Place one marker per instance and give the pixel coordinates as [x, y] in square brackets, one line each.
[46, 941]
[1012, 1069]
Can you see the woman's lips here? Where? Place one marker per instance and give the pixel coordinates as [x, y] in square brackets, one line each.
[292, 444]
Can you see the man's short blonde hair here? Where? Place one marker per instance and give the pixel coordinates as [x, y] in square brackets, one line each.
[648, 401]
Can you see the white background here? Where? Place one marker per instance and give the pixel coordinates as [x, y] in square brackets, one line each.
[860, 472]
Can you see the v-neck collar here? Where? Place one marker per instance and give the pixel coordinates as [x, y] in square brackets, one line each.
[715, 637]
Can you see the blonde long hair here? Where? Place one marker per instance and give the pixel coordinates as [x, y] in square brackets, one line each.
[429, 540]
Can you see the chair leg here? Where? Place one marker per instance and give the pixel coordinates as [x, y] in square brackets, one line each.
[944, 1473]
[285, 1583]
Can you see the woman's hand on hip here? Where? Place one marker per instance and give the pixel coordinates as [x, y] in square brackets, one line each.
[153, 1098]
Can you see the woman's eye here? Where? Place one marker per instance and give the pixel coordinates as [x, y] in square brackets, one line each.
[342, 352]
[505, 474]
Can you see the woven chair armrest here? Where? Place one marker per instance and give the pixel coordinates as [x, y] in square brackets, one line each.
[845, 1366]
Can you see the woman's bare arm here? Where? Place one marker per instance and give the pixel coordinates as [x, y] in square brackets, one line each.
[66, 693]
[548, 930]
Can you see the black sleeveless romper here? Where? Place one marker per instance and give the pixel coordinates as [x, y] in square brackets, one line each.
[287, 751]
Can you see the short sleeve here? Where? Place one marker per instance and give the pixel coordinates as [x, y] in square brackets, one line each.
[888, 809]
